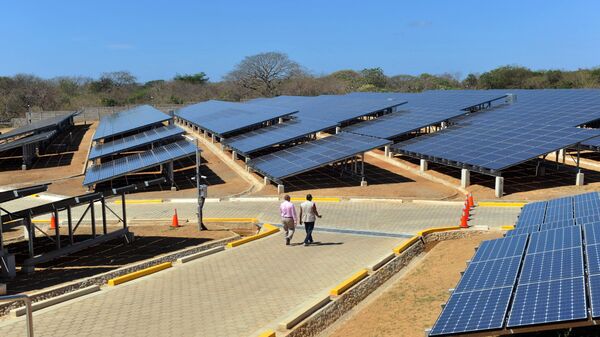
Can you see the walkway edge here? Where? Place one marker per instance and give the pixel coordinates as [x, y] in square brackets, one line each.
[349, 282]
[140, 273]
[56, 300]
[270, 229]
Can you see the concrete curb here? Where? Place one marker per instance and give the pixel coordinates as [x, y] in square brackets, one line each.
[207, 252]
[380, 262]
[253, 199]
[500, 204]
[140, 273]
[349, 282]
[303, 311]
[56, 300]
[269, 229]
[438, 202]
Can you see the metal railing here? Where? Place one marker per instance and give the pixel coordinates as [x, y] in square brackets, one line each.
[28, 309]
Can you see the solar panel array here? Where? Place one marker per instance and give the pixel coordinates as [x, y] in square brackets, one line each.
[137, 162]
[38, 126]
[129, 120]
[133, 141]
[281, 133]
[552, 277]
[308, 156]
[498, 145]
[223, 118]
[40, 137]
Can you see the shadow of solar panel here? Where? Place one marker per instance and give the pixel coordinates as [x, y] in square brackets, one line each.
[133, 141]
[129, 120]
[473, 311]
[308, 156]
[555, 239]
[500, 248]
[552, 265]
[138, 162]
[489, 274]
[549, 302]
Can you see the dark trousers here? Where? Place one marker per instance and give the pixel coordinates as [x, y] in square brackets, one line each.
[309, 226]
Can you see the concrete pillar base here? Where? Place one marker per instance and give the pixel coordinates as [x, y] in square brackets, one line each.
[424, 165]
[338, 129]
[265, 180]
[23, 167]
[212, 138]
[499, 190]
[280, 189]
[364, 183]
[233, 155]
[444, 125]
[579, 180]
[387, 151]
[173, 188]
[465, 178]
[280, 120]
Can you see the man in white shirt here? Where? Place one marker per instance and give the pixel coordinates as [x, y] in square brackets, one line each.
[308, 215]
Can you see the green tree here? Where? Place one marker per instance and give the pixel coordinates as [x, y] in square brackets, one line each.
[199, 78]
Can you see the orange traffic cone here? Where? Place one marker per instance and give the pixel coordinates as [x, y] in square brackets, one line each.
[463, 222]
[52, 222]
[175, 222]
[470, 199]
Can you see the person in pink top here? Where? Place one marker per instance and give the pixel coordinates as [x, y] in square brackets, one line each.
[288, 218]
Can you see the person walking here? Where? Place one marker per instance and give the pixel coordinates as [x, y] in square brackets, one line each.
[308, 215]
[288, 218]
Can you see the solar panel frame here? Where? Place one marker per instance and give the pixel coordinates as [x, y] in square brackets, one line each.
[555, 239]
[138, 162]
[309, 156]
[489, 274]
[36, 138]
[500, 248]
[130, 120]
[38, 125]
[552, 265]
[130, 142]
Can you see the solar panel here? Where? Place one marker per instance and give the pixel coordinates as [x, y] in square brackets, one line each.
[555, 239]
[586, 204]
[473, 311]
[557, 224]
[336, 108]
[552, 265]
[41, 125]
[548, 302]
[40, 137]
[497, 145]
[129, 120]
[489, 274]
[532, 214]
[593, 258]
[280, 133]
[223, 118]
[594, 283]
[559, 209]
[308, 156]
[138, 162]
[133, 141]
[500, 248]
[523, 230]
[592, 233]
[588, 219]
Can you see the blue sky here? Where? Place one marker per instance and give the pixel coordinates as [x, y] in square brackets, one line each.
[157, 39]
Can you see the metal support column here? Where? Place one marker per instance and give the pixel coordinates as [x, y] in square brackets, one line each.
[56, 229]
[201, 190]
[103, 205]
[578, 155]
[70, 225]
[123, 211]
[31, 231]
[93, 218]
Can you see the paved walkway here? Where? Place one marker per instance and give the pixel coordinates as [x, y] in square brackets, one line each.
[233, 293]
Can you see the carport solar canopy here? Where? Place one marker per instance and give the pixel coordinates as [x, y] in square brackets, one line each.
[138, 162]
[129, 120]
[223, 118]
[37, 126]
[335, 108]
[40, 137]
[280, 133]
[497, 145]
[133, 141]
[308, 156]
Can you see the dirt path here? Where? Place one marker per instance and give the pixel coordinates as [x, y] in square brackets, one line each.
[412, 302]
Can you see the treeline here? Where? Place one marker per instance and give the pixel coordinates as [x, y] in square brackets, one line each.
[265, 74]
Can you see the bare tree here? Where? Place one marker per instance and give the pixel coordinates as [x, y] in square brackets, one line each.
[264, 72]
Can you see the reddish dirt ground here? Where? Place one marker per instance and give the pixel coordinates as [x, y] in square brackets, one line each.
[412, 302]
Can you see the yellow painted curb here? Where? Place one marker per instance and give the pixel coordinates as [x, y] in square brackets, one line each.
[438, 229]
[141, 201]
[320, 199]
[398, 250]
[137, 274]
[507, 228]
[40, 220]
[500, 204]
[269, 333]
[270, 229]
[347, 284]
[231, 219]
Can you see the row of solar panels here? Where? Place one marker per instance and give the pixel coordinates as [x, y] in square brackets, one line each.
[35, 132]
[539, 122]
[528, 280]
